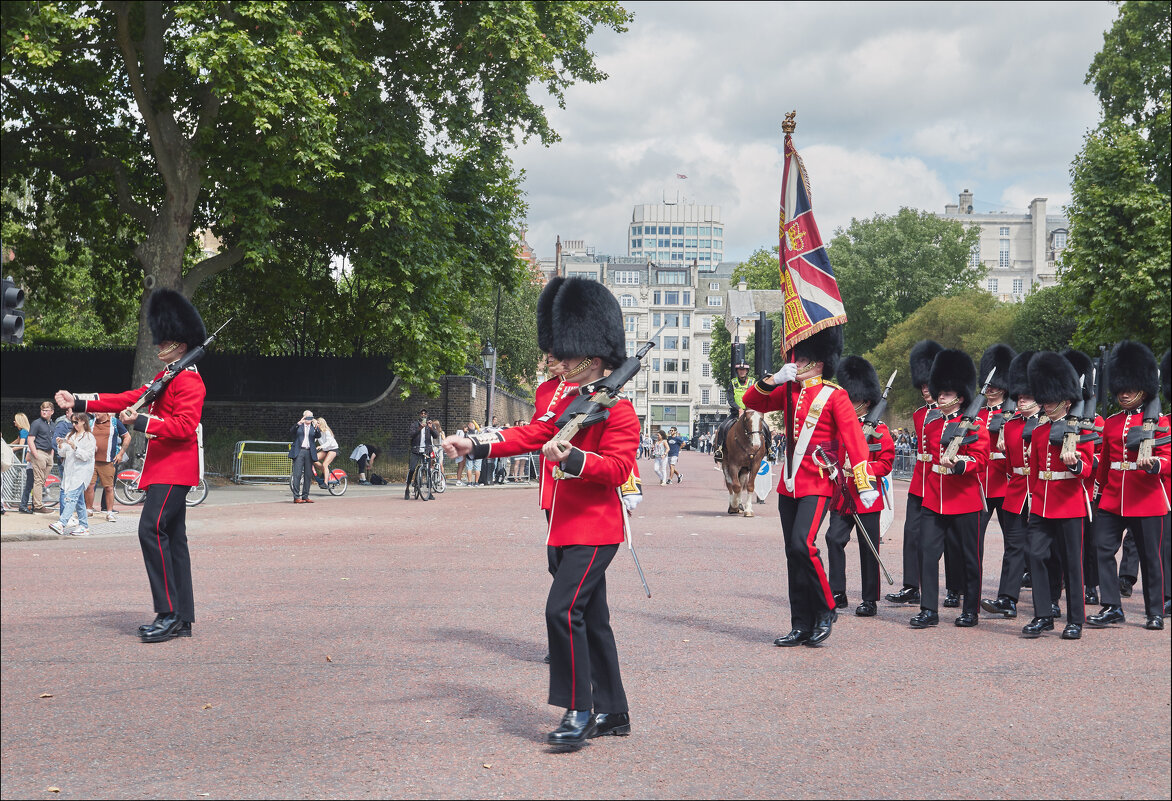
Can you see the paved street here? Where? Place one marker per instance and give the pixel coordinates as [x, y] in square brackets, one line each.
[367, 646]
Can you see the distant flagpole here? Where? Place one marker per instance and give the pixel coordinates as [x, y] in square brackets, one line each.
[812, 299]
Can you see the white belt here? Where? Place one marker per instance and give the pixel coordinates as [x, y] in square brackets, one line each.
[1021, 471]
[993, 456]
[1124, 466]
[944, 471]
[1054, 475]
[923, 457]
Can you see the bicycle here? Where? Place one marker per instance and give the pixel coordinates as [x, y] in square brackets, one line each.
[428, 476]
[128, 493]
[336, 485]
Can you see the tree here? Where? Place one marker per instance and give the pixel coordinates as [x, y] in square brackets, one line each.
[970, 321]
[1116, 264]
[1044, 321]
[375, 132]
[889, 266]
[761, 270]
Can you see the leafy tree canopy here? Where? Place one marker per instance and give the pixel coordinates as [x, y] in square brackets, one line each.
[1044, 321]
[301, 134]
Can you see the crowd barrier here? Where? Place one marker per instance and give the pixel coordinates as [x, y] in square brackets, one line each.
[256, 462]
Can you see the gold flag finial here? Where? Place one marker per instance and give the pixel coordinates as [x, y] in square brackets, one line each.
[790, 122]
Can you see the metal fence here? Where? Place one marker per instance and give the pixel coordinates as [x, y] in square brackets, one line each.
[903, 466]
[12, 481]
[255, 462]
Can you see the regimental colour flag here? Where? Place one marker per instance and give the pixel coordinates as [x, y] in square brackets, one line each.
[812, 299]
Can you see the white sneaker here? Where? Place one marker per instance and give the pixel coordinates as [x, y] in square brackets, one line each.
[72, 521]
[80, 531]
[56, 527]
[112, 517]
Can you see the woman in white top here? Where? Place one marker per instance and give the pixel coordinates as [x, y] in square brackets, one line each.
[327, 451]
[77, 449]
[659, 453]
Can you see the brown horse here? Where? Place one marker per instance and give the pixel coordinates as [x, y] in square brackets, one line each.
[745, 446]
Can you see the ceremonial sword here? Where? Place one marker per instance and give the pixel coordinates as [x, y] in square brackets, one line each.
[822, 459]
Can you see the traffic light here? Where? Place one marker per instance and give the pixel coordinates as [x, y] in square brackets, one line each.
[13, 314]
[738, 354]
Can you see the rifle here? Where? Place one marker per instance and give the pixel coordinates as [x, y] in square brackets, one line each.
[595, 399]
[957, 432]
[876, 414]
[1144, 437]
[826, 461]
[173, 369]
[1064, 432]
[996, 421]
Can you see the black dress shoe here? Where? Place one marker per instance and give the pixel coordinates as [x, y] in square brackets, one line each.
[952, 600]
[840, 601]
[1055, 610]
[1105, 617]
[822, 628]
[795, 637]
[1155, 623]
[166, 629]
[1073, 631]
[1027, 580]
[1035, 627]
[1005, 607]
[967, 620]
[908, 595]
[925, 618]
[146, 626]
[865, 609]
[616, 724]
[1092, 595]
[577, 726]
[25, 511]
[1167, 608]
[1125, 585]
[546, 660]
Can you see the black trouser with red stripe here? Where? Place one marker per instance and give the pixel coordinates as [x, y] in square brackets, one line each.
[162, 533]
[809, 588]
[962, 534]
[1015, 533]
[913, 555]
[583, 658]
[837, 536]
[1067, 533]
[1147, 531]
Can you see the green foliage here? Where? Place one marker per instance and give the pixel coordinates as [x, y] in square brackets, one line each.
[514, 335]
[720, 353]
[760, 271]
[1044, 321]
[889, 266]
[1115, 269]
[303, 134]
[970, 321]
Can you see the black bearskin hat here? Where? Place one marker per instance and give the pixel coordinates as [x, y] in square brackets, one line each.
[545, 313]
[1053, 379]
[998, 356]
[923, 352]
[953, 370]
[856, 375]
[173, 319]
[1132, 366]
[588, 321]
[1164, 370]
[1019, 381]
[824, 346]
[1084, 367]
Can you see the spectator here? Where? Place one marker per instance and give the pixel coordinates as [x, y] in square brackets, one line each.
[439, 452]
[111, 442]
[674, 441]
[77, 451]
[460, 461]
[420, 440]
[40, 459]
[659, 453]
[488, 473]
[517, 464]
[305, 434]
[364, 456]
[473, 465]
[327, 452]
[20, 446]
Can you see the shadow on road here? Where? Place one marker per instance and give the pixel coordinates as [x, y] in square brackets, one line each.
[522, 650]
[747, 633]
[512, 716]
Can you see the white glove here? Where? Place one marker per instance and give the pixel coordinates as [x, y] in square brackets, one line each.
[787, 373]
[868, 497]
[632, 501]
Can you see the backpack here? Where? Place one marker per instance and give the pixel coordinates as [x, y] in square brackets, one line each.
[377, 480]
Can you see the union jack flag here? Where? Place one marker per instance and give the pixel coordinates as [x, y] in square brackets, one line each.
[812, 299]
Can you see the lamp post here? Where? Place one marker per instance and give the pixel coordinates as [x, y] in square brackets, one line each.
[488, 358]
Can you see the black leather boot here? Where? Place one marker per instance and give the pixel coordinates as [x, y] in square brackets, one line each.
[1035, 627]
[951, 600]
[1105, 617]
[577, 726]
[1004, 607]
[616, 724]
[865, 609]
[143, 628]
[822, 626]
[924, 619]
[168, 628]
[1073, 631]
[908, 595]
[840, 600]
[795, 637]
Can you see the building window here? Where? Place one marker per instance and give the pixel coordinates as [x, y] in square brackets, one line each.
[991, 284]
[717, 231]
[1004, 230]
[688, 298]
[705, 230]
[672, 319]
[671, 276]
[685, 342]
[714, 286]
[1018, 286]
[685, 365]
[671, 343]
[722, 397]
[655, 365]
[636, 230]
[705, 323]
[689, 230]
[627, 300]
[626, 277]
[706, 243]
[705, 370]
[1059, 240]
[975, 255]
[655, 320]
[593, 276]
[1003, 255]
[684, 388]
[705, 396]
[706, 348]
[715, 300]
[656, 297]
[671, 365]
[671, 388]
[654, 387]
[671, 298]
[631, 321]
[686, 320]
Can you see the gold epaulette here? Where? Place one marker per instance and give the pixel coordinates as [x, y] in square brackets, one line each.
[831, 384]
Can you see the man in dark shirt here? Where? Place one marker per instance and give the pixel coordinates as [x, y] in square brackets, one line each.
[421, 439]
[674, 441]
[40, 458]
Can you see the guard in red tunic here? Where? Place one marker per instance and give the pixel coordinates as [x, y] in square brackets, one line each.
[1013, 444]
[858, 377]
[920, 362]
[1084, 367]
[1059, 498]
[816, 412]
[1166, 528]
[171, 465]
[952, 497]
[586, 516]
[1133, 492]
[994, 482]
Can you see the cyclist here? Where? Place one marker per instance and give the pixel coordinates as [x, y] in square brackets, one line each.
[421, 440]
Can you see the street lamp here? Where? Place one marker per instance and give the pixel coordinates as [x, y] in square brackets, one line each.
[488, 358]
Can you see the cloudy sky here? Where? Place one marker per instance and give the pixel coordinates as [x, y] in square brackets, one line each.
[899, 104]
